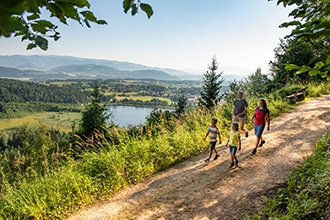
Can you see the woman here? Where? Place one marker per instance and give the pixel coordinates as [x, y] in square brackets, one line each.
[259, 118]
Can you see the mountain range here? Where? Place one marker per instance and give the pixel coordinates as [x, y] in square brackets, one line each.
[48, 67]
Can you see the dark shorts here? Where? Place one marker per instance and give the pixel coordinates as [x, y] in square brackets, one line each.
[232, 149]
[258, 129]
[212, 144]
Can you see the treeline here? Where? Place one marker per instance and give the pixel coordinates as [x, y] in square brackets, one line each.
[18, 98]
[20, 91]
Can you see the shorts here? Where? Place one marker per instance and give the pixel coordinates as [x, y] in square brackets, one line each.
[232, 149]
[258, 129]
[240, 120]
[212, 144]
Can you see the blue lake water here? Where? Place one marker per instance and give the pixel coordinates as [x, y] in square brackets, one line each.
[129, 115]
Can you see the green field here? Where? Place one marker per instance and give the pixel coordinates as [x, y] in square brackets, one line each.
[57, 120]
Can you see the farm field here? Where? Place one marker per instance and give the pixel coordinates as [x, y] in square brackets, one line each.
[58, 120]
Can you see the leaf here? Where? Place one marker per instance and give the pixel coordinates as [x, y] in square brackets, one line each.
[41, 42]
[314, 72]
[89, 15]
[134, 9]
[147, 9]
[33, 17]
[319, 65]
[291, 67]
[291, 23]
[31, 46]
[126, 5]
[82, 3]
[102, 22]
[303, 69]
[328, 60]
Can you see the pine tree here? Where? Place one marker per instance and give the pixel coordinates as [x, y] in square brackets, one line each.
[212, 83]
[94, 116]
[181, 105]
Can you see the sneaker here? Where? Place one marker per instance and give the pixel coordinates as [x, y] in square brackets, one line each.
[262, 143]
[254, 151]
[207, 160]
[246, 134]
[236, 163]
[232, 164]
[216, 156]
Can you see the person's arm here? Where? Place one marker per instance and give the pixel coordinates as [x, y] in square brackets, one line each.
[233, 112]
[243, 112]
[267, 120]
[239, 143]
[254, 115]
[219, 137]
[207, 133]
[227, 142]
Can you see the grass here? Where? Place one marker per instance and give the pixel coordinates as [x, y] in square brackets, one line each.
[306, 194]
[57, 120]
[144, 98]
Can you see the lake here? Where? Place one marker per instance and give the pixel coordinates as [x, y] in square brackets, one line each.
[128, 115]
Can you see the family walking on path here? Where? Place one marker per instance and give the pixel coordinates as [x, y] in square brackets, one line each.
[194, 189]
[260, 118]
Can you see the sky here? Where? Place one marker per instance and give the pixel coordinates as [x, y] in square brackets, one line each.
[181, 34]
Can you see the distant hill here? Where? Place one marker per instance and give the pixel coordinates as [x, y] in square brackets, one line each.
[45, 67]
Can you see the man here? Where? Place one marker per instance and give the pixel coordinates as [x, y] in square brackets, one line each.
[240, 111]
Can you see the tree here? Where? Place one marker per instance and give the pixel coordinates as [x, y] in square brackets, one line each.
[181, 105]
[296, 52]
[257, 84]
[212, 83]
[24, 17]
[94, 116]
[311, 22]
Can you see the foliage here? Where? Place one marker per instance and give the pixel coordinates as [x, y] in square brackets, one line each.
[307, 191]
[94, 117]
[19, 91]
[181, 105]
[297, 52]
[212, 83]
[26, 18]
[257, 84]
[312, 22]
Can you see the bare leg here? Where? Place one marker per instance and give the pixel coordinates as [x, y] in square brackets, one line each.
[257, 144]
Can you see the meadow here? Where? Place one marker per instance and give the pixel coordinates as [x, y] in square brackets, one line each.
[58, 120]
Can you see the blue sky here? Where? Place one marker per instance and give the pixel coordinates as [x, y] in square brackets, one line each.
[182, 35]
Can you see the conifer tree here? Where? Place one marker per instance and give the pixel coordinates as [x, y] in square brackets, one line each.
[94, 117]
[212, 83]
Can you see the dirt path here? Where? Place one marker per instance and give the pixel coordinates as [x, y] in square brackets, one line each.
[198, 190]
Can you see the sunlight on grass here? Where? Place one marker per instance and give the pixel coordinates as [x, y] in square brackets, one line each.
[57, 120]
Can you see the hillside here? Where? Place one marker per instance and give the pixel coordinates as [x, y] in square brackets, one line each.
[194, 189]
[45, 67]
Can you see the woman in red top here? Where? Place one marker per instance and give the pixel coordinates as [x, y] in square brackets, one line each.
[260, 118]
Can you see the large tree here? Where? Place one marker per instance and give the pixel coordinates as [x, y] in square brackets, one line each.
[311, 21]
[297, 52]
[212, 83]
[26, 18]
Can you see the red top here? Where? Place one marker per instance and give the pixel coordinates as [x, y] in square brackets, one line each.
[260, 116]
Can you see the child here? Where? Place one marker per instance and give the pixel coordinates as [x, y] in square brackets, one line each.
[234, 141]
[213, 131]
[260, 118]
